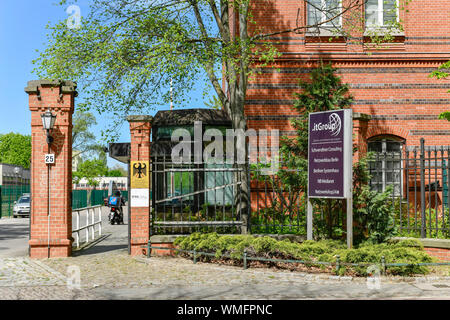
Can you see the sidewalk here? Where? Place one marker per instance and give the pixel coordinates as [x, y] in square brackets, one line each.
[108, 272]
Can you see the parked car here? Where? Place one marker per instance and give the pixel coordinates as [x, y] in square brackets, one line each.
[22, 206]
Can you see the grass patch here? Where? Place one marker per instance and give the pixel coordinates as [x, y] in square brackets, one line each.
[405, 251]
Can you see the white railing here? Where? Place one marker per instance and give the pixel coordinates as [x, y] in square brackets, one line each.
[90, 223]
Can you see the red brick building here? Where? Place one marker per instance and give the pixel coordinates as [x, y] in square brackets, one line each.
[389, 82]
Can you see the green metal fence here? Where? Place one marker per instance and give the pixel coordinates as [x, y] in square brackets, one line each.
[98, 196]
[9, 194]
[81, 198]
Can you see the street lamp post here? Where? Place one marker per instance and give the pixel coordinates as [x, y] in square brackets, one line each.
[48, 121]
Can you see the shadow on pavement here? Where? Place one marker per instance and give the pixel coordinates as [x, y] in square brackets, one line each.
[96, 249]
[12, 231]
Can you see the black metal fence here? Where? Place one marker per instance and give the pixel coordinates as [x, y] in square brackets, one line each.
[206, 197]
[420, 180]
[194, 197]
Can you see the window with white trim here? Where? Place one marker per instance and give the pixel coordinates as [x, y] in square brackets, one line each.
[386, 168]
[381, 13]
[323, 10]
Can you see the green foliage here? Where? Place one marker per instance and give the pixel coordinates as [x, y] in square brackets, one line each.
[437, 223]
[124, 59]
[15, 149]
[324, 91]
[373, 211]
[84, 143]
[374, 216]
[442, 72]
[90, 169]
[405, 251]
[114, 173]
[445, 115]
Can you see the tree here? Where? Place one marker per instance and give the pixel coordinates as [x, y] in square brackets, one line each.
[443, 73]
[117, 171]
[373, 213]
[325, 91]
[83, 140]
[126, 52]
[15, 149]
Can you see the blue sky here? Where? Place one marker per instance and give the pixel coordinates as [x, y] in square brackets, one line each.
[22, 31]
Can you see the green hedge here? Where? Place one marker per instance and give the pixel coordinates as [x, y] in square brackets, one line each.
[406, 251]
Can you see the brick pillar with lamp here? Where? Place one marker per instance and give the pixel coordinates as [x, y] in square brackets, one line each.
[51, 104]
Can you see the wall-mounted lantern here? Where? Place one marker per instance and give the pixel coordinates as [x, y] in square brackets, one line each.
[48, 121]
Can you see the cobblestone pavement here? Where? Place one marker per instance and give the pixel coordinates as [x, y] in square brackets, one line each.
[108, 272]
[114, 275]
[26, 279]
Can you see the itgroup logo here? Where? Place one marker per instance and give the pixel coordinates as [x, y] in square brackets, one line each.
[334, 125]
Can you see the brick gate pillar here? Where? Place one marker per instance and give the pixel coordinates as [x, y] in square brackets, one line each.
[139, 204]
[51, 217]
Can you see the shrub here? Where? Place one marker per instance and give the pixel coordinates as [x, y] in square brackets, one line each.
[404, 251]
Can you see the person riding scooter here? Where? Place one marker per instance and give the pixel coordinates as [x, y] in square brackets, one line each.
[115, 203]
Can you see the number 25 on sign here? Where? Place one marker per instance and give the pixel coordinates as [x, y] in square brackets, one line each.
[49, 158]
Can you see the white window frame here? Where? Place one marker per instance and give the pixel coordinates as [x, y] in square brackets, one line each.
[323, 4]
[380, 16]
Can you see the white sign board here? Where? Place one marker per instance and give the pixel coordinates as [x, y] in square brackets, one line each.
[140, 197]
[49, 158]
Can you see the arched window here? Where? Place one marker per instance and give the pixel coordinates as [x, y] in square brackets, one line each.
[386, 168]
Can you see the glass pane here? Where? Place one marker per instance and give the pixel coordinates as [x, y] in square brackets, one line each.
[372, 12]
[220, 196]
[375, 146]
[389, 12]
[314, 15]
[332, 10]
[376, 177]
[166, 132]
[393, 146]
[180, 183]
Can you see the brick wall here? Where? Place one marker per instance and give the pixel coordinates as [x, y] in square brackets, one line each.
[440, 253]
[392, 83]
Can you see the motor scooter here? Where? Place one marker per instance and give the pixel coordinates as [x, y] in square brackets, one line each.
[115, 216]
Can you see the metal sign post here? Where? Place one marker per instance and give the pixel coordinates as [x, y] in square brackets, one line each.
[330, 160]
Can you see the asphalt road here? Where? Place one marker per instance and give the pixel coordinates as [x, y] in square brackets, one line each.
[14, 233]
[14, 237]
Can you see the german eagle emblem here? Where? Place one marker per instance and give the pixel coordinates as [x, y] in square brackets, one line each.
[140, 170]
